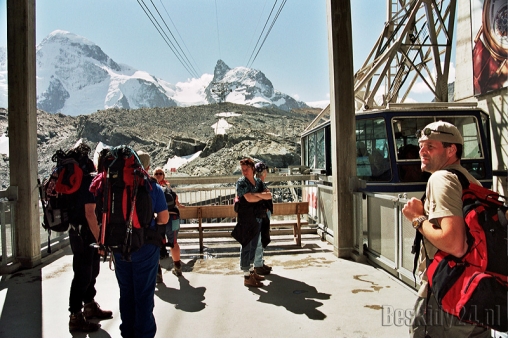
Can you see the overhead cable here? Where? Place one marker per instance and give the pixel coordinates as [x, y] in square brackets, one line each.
[269, 30]
[182, 51]
[217, 21]
[183, 41]
[185, 63]
[261, 34]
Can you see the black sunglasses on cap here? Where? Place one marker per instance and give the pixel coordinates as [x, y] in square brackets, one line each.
[428, 131]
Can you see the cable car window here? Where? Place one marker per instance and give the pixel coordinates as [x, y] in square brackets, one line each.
[372, 158]
[320, 149]
[408, 159]
[468, 127]
[404, 129]
[305, 151]
[312, 150]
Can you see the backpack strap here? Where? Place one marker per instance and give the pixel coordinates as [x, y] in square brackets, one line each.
[417, 243]
[462, 177]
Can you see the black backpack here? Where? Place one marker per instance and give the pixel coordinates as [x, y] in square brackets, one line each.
[170, 197]
[123, 204]
[56, 191]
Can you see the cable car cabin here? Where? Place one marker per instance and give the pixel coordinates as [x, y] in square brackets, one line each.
[387, 151]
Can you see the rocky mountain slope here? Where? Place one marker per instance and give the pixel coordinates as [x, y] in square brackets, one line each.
[269, 134]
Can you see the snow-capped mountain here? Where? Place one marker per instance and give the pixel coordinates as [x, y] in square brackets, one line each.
[75, 76]
[247, 86]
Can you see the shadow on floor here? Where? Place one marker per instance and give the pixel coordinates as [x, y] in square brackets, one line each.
[295, 296]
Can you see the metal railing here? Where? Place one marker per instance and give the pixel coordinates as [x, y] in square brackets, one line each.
[190, 190]
[384, 234]
[7, 230]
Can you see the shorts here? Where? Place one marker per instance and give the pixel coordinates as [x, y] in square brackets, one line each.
[172, 228]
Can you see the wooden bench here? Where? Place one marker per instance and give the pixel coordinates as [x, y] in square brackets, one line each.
[202, 213]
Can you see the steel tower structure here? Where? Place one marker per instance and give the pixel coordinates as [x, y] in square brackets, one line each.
[415, 43]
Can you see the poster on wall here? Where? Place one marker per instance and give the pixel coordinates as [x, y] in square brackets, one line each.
[489, 27]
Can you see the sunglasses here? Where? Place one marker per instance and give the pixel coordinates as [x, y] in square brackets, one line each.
[159, 173]
[428, 131]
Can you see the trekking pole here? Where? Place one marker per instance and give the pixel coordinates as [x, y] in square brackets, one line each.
[105, 207]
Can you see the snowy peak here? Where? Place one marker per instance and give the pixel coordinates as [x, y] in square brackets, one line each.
[82, 47]
[75, 76]
[247, 86]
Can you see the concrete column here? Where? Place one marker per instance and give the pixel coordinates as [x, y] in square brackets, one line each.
[342, 120]
[23, 128]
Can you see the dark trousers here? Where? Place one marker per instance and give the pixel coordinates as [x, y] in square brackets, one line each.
[136, 280]
[85, 264]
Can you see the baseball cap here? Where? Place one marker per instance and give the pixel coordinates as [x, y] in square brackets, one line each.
[441, 131]
[144, 158]
[260, 167]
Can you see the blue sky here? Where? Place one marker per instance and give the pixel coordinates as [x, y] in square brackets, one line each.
[294, 56]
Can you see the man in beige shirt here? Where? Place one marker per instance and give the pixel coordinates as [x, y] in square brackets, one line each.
[440, 220]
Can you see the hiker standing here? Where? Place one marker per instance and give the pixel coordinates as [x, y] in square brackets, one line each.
[440, 220]
[172, 227]
[259, 264]
[136, 278]
[251, 192]
[84, 230]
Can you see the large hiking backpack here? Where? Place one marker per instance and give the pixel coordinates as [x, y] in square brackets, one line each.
[123, 204]
[474, 288]
[56, 191]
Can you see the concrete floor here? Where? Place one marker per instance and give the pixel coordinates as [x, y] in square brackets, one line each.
[310, 293]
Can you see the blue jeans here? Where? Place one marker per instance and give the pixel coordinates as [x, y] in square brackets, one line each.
[258, 256]
[136, 280]
[249, 251]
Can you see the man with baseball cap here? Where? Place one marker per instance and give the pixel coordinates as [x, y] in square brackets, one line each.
[440, 220]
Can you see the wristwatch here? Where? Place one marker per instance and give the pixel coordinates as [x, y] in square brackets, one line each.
[417, 223]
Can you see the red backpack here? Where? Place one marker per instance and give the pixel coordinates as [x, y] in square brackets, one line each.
[123, 203]
[474, 288]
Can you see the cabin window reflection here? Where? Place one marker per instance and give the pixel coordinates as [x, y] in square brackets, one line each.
[372, 155]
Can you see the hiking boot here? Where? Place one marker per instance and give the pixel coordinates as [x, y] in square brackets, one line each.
[251, 281]
[257, 276]
[266, 267]
[93, 310]
[261, 270]
[77, 322]
[177, 271]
